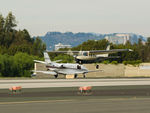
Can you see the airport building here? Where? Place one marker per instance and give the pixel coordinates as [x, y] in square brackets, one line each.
[59, 45]
[118, 38]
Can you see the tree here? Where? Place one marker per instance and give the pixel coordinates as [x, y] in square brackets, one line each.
[1, 23]
[27, 35]
[38, 47]
[10, 22]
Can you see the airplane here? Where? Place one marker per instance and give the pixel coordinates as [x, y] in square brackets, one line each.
[55, 68]
[93, 55]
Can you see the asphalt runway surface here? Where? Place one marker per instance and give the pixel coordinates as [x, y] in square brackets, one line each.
[41, 83]
[62, 96]
[145, 91]
[131, 105]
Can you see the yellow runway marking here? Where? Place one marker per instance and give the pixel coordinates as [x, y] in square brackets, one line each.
[69, 100]
[112, 99]
[25, 102]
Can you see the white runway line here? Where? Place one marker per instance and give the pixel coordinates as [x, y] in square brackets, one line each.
[41, 83]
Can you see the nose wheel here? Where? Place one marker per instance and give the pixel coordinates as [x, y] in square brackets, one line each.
[55, 76]
[75, 76]
[84, 75]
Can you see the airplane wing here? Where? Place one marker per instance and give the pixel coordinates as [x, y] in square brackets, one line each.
[67, 72]
[40, 61]
[46, 72]
[65, 52]
[74, 71]
[45, 62]
[70, 71]
[95, 71]
[64, 72]
[108, 51]
[93, 51]
[57, 61]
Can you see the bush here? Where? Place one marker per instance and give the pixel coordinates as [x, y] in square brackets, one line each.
[114, 62]
[64, 58]
[134, 63]
[125, 62]
[18, 65]
[105, 62]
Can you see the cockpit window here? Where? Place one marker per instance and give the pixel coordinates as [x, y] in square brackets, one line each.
[78, 67]
[85, 53]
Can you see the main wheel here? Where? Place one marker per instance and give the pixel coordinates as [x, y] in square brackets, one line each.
[75, 76]
[55, 76]
[84, 76]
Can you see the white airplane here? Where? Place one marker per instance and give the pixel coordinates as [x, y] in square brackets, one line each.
[93, 55]
[55, 68]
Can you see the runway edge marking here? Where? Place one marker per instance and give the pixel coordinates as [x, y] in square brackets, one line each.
[42, 101]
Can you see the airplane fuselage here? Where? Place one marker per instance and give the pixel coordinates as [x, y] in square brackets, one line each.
[90, 59]
[66, 68]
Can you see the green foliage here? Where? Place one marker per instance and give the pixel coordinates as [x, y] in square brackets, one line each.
[19, 65]
[114, 62]
[38, 47]
[13, 41]
[64, 58]
[134, 63]
[125, 62]
[106, 62]
[10, 22]
[92, 45]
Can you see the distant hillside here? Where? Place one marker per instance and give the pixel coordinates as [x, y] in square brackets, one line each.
[74, 39]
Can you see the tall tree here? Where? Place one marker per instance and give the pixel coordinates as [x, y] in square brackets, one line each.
[1, 23]
[10, 22]
[38, 47]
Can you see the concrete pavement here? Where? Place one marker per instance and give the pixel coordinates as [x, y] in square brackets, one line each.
[122, 105]
[39, 83]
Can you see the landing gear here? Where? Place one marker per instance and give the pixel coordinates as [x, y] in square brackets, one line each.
[97, 66]
[79, 61]
[55, 76]
[75, 76]
[84, 76]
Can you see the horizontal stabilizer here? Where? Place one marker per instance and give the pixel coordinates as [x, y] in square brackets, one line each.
[40, 61]
[95, 71]
[57, 61]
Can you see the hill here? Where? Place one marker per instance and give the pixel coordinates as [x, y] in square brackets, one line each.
[74, 39]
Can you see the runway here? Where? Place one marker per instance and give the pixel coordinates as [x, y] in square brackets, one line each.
[131, 105]
[40, 95]
[45, 83]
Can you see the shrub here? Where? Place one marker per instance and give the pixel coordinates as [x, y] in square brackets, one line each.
[114, 62]
[105, 62]
[134, 63]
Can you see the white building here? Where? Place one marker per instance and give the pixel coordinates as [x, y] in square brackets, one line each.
[119, 38]
[59, 45]
[125, 37]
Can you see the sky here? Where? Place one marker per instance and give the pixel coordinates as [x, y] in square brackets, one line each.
[98, 16]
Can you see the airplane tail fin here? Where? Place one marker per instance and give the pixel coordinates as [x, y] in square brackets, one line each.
[46, 57]
[108, 47]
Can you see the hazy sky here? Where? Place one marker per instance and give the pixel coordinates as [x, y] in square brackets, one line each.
[99, 16]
